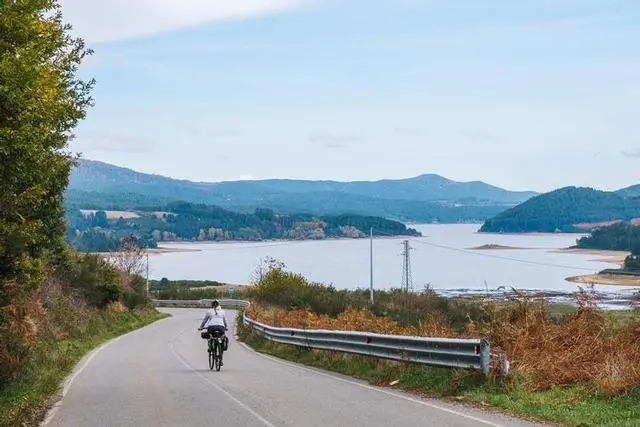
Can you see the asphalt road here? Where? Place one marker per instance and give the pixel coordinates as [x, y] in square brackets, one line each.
[159, 376]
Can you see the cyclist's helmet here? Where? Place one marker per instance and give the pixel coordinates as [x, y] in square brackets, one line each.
[215, 303]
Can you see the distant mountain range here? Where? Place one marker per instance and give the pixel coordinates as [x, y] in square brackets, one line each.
[429, 198]
[633, 191]
[569, 209]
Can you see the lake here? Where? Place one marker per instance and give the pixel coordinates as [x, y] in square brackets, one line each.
[442, 258]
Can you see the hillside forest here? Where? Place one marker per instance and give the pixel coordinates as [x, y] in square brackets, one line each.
[103, 231]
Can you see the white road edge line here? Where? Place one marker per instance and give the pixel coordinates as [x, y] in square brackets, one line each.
[216, 386]
[368, 387]
[78, 370]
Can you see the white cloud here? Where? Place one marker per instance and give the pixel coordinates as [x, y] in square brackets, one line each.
[110, 20]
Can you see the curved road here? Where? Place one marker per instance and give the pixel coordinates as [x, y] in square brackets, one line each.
[159, 376]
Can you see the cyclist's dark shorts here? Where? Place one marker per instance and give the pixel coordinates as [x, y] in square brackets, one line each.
[216, 330]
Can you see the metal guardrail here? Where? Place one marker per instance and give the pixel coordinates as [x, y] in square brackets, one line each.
[446, 352]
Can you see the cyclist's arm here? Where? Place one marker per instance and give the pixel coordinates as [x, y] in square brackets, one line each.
[204, 321]
[224, 318]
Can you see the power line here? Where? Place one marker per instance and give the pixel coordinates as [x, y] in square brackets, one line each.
[505, 258]
[524, 261]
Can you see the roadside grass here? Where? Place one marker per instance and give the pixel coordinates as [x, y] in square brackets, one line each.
[575, 406]
[25, 400]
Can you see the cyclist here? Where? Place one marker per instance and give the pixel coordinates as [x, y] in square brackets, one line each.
[215, 320]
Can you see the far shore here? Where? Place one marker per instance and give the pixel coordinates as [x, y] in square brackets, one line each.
[613, 257]
[605, 279]
[152, 251]
[609, 256]
[164, 250]
[530, 233]
[255, 242]
[175, 248]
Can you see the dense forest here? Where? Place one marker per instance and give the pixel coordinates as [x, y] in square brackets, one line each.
[621, 236]
[102, 231]
[312, 203]
[564, 210]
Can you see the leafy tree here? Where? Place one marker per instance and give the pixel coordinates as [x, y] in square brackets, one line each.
[41, 101]
[632, 262]
[94, 279]
[100, 219]
[95, 241]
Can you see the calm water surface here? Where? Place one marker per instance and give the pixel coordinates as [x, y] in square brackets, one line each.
[441, 258]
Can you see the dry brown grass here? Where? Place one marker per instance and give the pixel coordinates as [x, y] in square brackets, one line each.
[543, 353]
[351, 320]
[116, 307]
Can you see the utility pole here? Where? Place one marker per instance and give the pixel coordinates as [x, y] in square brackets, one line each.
[371, 265]
[407, 280]
[148, 275]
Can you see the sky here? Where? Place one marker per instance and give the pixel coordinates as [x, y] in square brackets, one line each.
[526, 95]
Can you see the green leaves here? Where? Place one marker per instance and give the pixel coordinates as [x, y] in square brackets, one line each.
[41, 101]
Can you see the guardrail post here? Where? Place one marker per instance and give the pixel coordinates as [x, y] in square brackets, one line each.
[485, 357]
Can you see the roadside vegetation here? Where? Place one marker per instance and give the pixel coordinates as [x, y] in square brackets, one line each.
[55, 304]
[83, 301]
[573, 365]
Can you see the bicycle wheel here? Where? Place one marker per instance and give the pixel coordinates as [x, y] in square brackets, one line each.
[211, 358]
[218, 352]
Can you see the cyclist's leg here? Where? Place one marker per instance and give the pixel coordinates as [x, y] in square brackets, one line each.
[211, 330]
[217, 331]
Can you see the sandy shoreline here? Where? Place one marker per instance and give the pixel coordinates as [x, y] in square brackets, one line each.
[154, 251]
[605, 279]
[613, 257]
[164, 250]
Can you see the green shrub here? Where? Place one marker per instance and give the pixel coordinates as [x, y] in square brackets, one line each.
[137, 295]
[92, 279]
[281, 288]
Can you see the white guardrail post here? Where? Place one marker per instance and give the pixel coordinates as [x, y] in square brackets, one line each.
[446, 352]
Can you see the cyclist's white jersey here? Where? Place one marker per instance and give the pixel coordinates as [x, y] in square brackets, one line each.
[215, 317]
